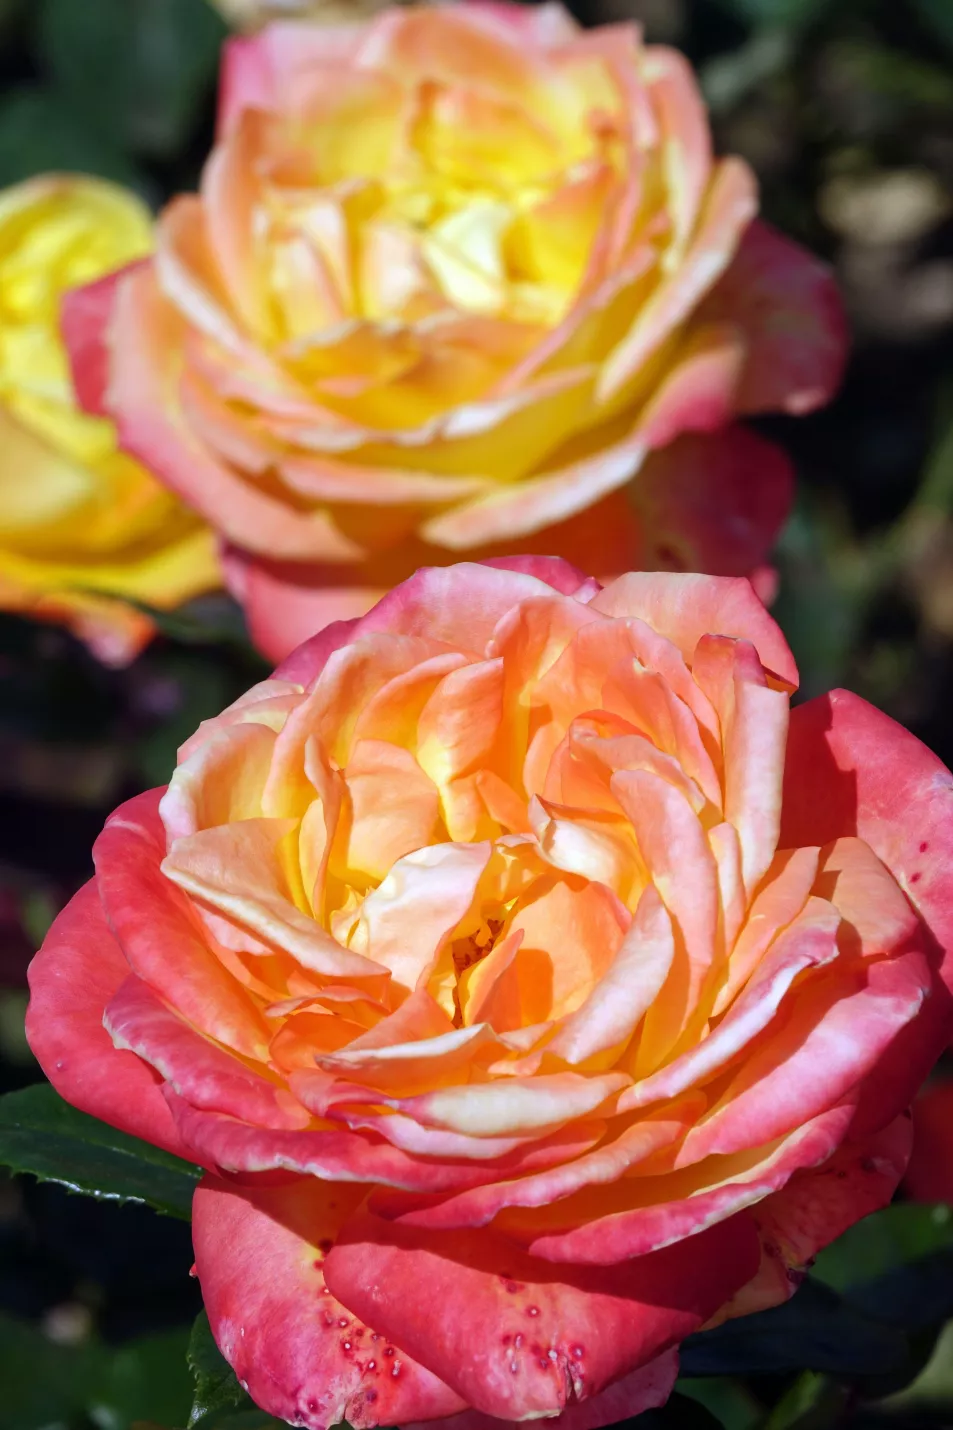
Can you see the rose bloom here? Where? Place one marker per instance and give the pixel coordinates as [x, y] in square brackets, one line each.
[77, 516]
[453, 275]
[533, 989]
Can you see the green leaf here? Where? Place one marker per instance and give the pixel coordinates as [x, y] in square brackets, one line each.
[812, 1403]
[143, 1380]
[216, 1391]
[896, 1266]
[140, 69]
[44, 1136]
[934, 1385]
[816, 1330]
[39, 130]
[46, 1383]
[883, 1243]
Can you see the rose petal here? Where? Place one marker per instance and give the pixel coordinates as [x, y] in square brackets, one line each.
[169, 950]
[199, 1071]
[851, 770]
[685, 608]
[785, 303]
[302, 1356]
[72, 978]
[487, 1306]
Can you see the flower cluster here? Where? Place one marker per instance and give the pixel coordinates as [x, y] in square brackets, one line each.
[533, 984]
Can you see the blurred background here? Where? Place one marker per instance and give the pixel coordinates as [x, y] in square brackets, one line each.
[845, 109]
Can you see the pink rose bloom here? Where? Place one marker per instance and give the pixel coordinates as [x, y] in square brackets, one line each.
[535, 986]
[460, 280]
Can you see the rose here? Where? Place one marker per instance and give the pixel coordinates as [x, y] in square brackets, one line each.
[80, 522]
[524, 1020]
[452, 276]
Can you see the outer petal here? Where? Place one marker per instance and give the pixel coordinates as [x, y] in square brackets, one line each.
[605, 1165]
[85, 314]
[72, 978]
[285, 604]
[930, 1174]
[253, 70]
[729, 205]
[340, 1156]
[834, 1035]
[169, 949]
[209, 1077]
[473, 1307]
[285, 610]
[643, 1389]
[301, 1354]
[565, 578]
[666, 1210]
[852, 770]
[808, 942]
[712, 502]
[305, 662]
[460, 604]
[684, 608]
[815, 1207]
[543, 26]
[820, 1203]
[786, 304]
[144, 401]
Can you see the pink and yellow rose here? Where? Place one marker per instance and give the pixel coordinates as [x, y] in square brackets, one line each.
[534, 985]
[461, 280]
[82, 525]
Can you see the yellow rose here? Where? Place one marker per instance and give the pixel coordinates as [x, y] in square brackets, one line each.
[80, 521]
